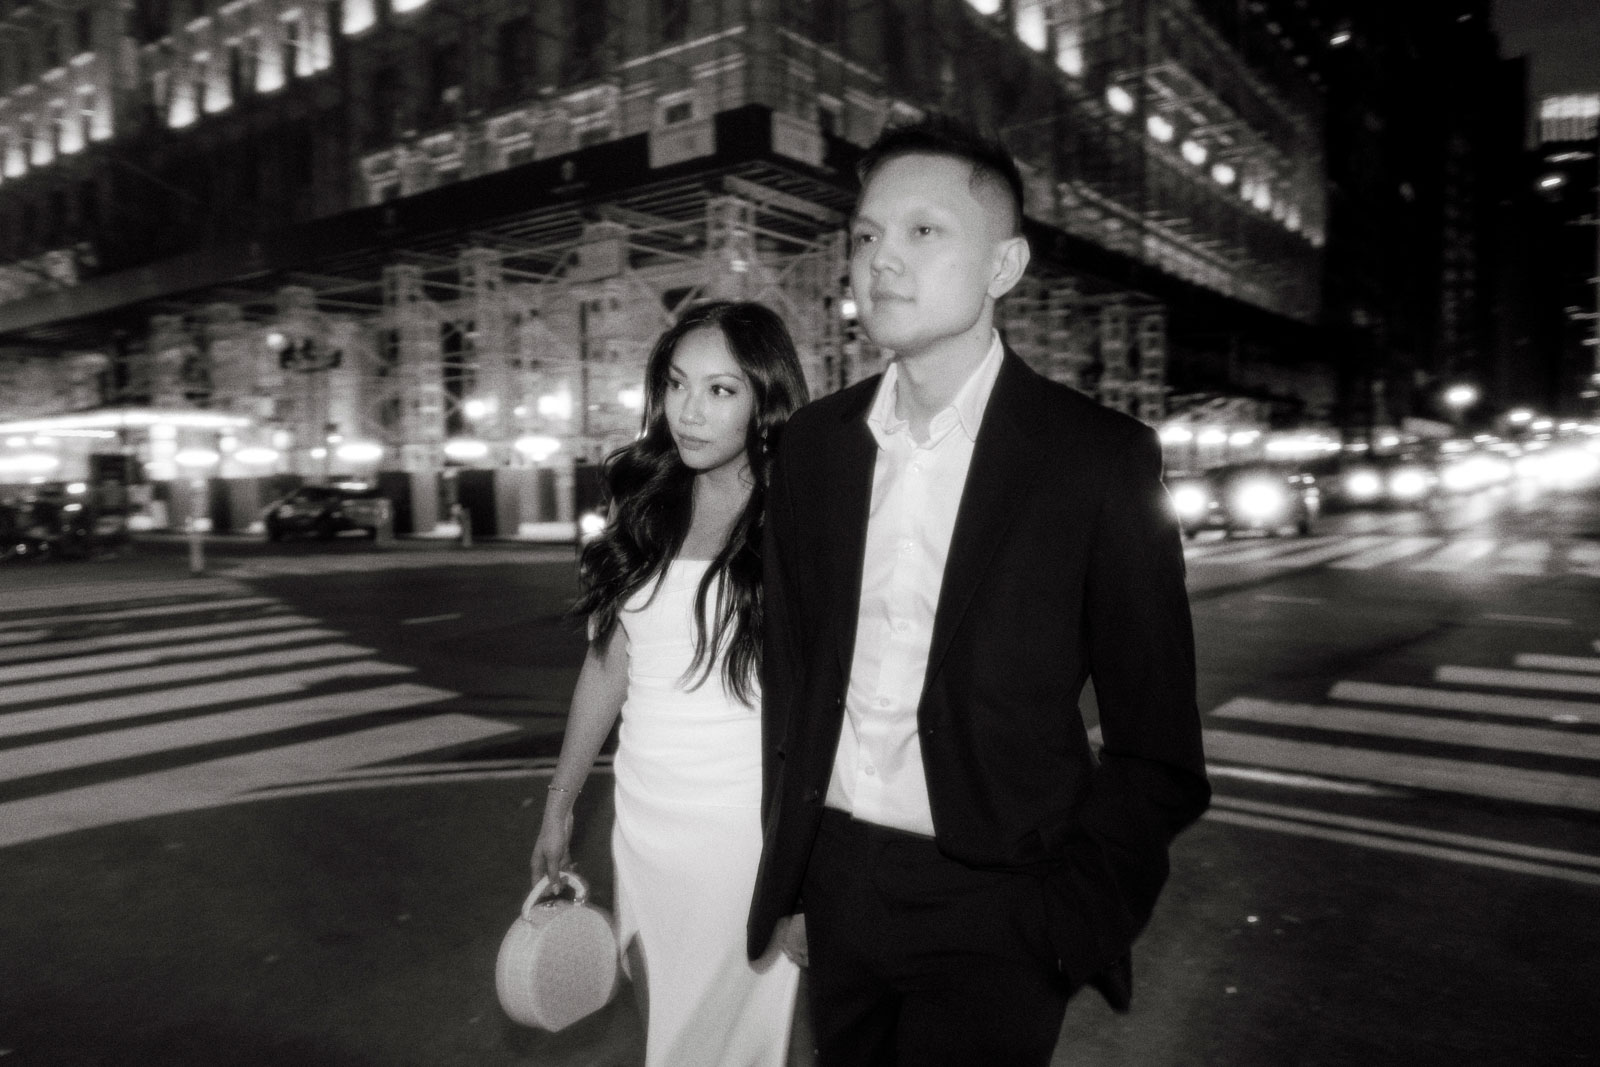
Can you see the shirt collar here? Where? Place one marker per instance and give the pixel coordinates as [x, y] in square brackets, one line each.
[966, 409]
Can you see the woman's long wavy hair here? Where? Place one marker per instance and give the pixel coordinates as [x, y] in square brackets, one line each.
[651, 499]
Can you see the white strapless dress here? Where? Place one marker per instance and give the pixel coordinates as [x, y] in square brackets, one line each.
[686, 844]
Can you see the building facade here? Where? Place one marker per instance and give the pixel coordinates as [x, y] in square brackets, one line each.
[417, 235]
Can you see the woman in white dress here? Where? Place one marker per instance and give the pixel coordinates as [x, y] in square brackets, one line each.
[672, 595]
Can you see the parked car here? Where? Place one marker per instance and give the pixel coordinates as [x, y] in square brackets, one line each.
[47, 522]
[1246, 498]
[326, 511]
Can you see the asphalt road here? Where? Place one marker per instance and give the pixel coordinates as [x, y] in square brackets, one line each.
[279, 814]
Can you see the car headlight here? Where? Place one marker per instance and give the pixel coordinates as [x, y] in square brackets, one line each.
[1259, 501]
[1408, 483]
[1363, 485]
[1190, 501]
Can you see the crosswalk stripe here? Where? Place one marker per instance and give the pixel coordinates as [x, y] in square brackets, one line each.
[1456, 556]
[1414, 727]
[62, 649]
[18, 601]
[1391, 844]
[55, 756]
[83, 665]
[1583, 558]
[1550, 682]
[1270, 549]
[1524, 557]
[1421, 772]
[1421, 833]
[187, 697]
[1567, 711]
[60, 688]
[186, 608]
[22, 637]
[204, 785]
[1559, 663]
[1322, 553]
[1384, 554]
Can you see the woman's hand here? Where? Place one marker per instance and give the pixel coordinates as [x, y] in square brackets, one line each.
[555, 834]
[792, 939]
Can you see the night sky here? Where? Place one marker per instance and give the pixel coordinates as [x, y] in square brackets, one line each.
[1561, 37]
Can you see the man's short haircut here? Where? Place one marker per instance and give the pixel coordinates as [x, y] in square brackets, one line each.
[939, 135]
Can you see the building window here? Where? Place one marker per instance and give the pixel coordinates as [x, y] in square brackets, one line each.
[586, 41]
[444, 75]
[83, 24]
[673, 19]
[513, 56]
[293, 45]
[385, 105]
[241, 67]
[52, 46]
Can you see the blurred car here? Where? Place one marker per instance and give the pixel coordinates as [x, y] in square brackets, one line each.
[1471, 471]
[325, 511]
[47, 522]
[1396, 481]
[1246, 498]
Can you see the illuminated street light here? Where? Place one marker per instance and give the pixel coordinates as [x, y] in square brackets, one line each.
[1159, 128]
[1223, 174]
[1520, 417]
[465, 448]
[537, 447]
[1459, 398]
[1120, 99]
[360, 452]
[632, 397]
[196, 457]
[1552, 181]
[1194, 152]
[1340, 38]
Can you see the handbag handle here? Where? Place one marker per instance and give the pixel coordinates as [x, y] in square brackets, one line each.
[538, 899]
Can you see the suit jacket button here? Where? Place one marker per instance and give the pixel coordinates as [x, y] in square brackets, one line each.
[812, 796]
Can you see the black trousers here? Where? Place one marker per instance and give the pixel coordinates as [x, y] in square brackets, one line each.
[920, 961]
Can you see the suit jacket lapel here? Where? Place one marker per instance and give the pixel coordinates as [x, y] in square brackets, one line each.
[850, 494]
[1002, 469]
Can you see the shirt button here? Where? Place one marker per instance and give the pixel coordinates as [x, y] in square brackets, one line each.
[905, 546]
[883, 702]
[900, 626]
[869, 770]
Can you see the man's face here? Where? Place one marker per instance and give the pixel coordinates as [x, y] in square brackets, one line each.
[924, 250]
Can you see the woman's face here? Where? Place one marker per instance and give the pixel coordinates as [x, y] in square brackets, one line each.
[709, 402]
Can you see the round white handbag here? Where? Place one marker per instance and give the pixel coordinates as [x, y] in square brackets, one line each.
[558, 962]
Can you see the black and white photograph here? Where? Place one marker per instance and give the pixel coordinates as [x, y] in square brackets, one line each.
[799, 533]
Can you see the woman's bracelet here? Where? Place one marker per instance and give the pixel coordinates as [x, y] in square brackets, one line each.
[559, 789]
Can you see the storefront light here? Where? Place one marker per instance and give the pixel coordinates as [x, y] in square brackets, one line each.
[632, 397]
[556, 405]
[461, 448]
[33, 463]
[1120, 99]
[360, 452]
[1194, 152]
[257, 457]
[538, 447]
[1159, 128]
[196, 457]
[1223, 174]
[1213, 437]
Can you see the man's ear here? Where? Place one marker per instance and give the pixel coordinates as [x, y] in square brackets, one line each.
[1011, 260]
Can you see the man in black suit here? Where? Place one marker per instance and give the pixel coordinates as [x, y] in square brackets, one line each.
[952, 548]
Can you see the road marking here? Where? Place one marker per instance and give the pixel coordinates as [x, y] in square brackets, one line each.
[63, 649]
[23, 637]
[1418, 772]
[1493, 736]
[1382, 826]
[1456, 556]
[1524, 557]
[189, 608]
[1456, 700]
[1277, 598]
[1538, 620]
[79, 752]
[424, 619]
[1377, 557]
[19, 601]
[187, 698]
[204, 785]
[1583, 558]
[59, 688]
[1389, 844]
[1322, 553]
[1561, 683]
[84, 665]
[1296, 781]
[1256, 553]
[1558, 663]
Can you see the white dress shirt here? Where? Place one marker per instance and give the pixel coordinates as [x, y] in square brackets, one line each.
[916, 490]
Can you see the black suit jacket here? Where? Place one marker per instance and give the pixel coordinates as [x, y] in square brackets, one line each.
[1065, 563]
